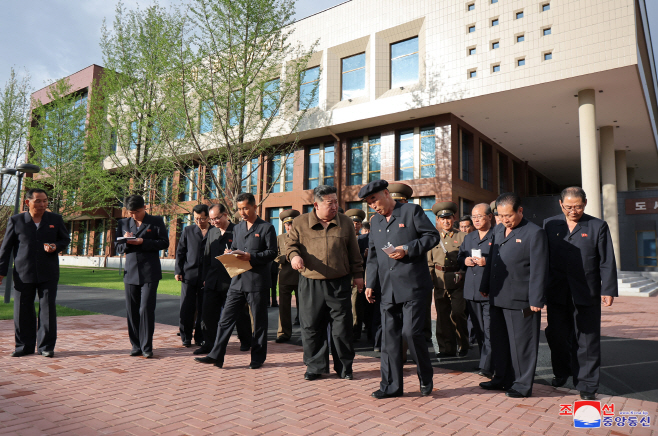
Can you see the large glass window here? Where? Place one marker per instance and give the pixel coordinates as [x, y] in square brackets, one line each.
[426, 203]
[356, 161]
[465, 156]
[134, 135]
[282, 172]
[353, 80]
[404, 62]
[99, 238]
[374, 158]
[273, 218]
[646, 249]
[167, 222]
[235, 108]
[313, 166]
[320, 168]
[250, 177]
[215, 173]
[486, 165]
[191, 184]
[406, 155]
[271, 98]
[427, 152]
[206, 117]
[328, 166]
[309, 89]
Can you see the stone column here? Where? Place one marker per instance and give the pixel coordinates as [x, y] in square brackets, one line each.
[631, 178]
[609, 181]
[620, 170]
[589, 156]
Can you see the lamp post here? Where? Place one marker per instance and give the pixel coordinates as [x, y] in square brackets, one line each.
[19, 172]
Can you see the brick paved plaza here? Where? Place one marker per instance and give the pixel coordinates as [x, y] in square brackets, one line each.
[93, 387]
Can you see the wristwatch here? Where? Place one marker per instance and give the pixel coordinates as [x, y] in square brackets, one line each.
[406, 249]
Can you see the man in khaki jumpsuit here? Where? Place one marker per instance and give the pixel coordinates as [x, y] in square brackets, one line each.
[451, 328]
[358, 298]
[288, 278]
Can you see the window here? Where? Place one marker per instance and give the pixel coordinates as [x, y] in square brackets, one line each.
[406, 155]
[495, 22]
[466, 206]
[404, 62]
[113, 141]
[517, 178]
[548, 56]
[99, 238]
[546, 31]
[520, 38]
[185, 220]
[250, 177]
[353, 77]
[426, 203]
[308, 208]
[494, 1]
[273, 218]
[356, 162]
[167, 221]
[520, 62]
[472, 74]
[134, 135]
[83, 238]
[69, 226]
[471, 51]
[282, 172]
[486, 166]
[471, 29]
[235, 108]
[165, 188]
[374, 158]
[191, 184]
[427, 152]
[546, 7]
[206, 117]
[519, 15]
[309, 88]
[470, 7]
[495, 45]
[646, 249]
[270, 99]
[214, 174]
[465, 156]
[495, 68]
[320, 169]
[502, 173]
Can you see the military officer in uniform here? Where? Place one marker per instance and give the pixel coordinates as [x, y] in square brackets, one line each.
[515, 280]
[359, 302]
[408, 234]
[288, 278]
[473, 256]
[451, 329]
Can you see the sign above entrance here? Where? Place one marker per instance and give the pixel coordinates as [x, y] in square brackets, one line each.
[641, 205]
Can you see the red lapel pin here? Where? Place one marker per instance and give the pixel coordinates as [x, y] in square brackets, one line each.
[518, 240]
[584, 235]
[52, 226]
[257, 235]
[401, 225]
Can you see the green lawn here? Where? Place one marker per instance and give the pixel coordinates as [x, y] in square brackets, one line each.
[7, 310]
[110, 279]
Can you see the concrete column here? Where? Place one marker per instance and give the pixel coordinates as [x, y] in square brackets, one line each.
[589, 156]
[620, 170]
[609, 180]
[631, 178]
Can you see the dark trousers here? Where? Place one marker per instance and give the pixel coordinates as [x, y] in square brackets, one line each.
[324, 301]
[376, 321]
[233, 310]
[30, 331]
[285, 310]
[514, 347]
[191, 303]
[140, 308]
[427, 327]
[403, 321]
[574, 337]
[213, 304]
[479, 314]
[275, 279]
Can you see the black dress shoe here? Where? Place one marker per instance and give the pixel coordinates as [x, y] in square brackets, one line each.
[442, 355]
[492, 386]
[380, 395]
[199, 343]
[558, 381]
[349, 376]
[589, 396]
[134, 353]
[513, 393]
[244, 347]
[484, 373]
[147, 354]
[21, 353]
[205, 360]
[427, 390]
[187, 344]
[201, 350]
[463, 353]
[281, 339]
[310, 376]
[50, 354]
[255, 365]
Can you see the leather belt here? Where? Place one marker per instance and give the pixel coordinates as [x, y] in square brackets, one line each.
[446, 268]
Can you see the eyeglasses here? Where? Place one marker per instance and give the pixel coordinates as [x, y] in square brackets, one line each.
[478, 217]
[577, 208]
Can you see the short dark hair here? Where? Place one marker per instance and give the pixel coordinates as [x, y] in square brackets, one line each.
[509, 198]
[573, 191]
[341, 210]
[220, 206]
[246, 196]
[466, 218]
[321, 190]
[200, 208]
[134, 202]
[29, 195]
[366, 225]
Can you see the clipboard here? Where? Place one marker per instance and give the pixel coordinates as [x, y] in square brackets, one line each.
[233, 265]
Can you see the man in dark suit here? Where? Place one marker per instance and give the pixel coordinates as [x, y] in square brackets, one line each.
[473, 256]
[257, 239]
[189, 261]
[405, 281]
[216, 282]
[140, 237]
[34, 238]
[288, 278]
[515, 281]
[583, 276]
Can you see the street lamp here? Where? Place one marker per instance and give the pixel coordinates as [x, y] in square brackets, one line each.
[19, 171]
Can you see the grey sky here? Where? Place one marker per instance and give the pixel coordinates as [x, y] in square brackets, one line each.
[55, 38]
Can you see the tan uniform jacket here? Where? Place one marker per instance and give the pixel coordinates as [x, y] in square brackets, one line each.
[287, 275]
[436, 256]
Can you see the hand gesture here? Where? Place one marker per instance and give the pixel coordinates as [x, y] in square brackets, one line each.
[370, 295]
[297, 263]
